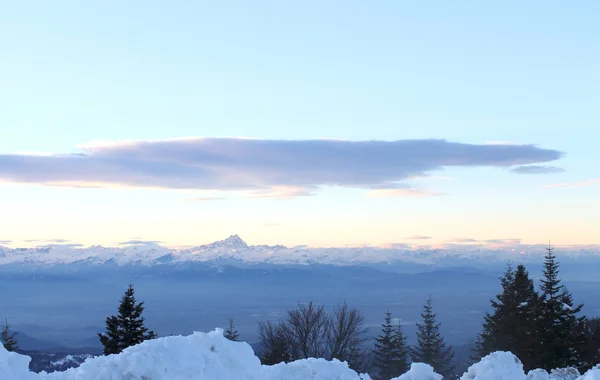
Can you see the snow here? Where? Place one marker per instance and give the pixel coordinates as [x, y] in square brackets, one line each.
[235, 250]
[211, 356]
[496, 366]
[593, 374]
[419, 371]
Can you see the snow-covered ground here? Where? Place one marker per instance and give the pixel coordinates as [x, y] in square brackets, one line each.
[211, 356]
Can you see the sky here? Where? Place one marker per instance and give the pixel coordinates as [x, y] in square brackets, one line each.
[320, 123]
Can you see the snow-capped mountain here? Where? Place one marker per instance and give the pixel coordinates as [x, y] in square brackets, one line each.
[234, 250]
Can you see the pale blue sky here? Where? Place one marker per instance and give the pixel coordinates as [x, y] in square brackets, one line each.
[470, 72]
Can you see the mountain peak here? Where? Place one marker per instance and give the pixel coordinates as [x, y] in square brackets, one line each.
[234, 241]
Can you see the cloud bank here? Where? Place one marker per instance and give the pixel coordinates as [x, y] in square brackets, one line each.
[264, 168]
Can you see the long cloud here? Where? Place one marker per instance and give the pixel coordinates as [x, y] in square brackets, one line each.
[299, 167]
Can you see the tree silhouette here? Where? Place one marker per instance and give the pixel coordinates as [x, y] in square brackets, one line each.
[8, 337]
[431, 348]
[127, 328]
[231, 333]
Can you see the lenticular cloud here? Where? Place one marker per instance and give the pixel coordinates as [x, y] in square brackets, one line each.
[293, 167]
[211, 356]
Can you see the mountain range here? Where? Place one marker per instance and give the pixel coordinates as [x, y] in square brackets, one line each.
[234, 251]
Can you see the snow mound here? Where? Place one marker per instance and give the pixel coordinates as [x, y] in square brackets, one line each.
[211, 356]
[197, 356]
[314, 369]
[496, 366]
[592, 374]
[14, 366]
[420, 371]
[538, 374]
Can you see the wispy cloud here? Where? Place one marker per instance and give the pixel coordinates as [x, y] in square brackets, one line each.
[204, 199]
[463, 240]
[574, 184]
[418, 237]
[140, 242]
[537, 169]
[5, 242]
[503, 241]
[46, 241]
[281, 192]
[409, 192]
[262, 167]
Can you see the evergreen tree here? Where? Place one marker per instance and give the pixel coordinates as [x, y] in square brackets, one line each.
[390, 353]
[560, 334]
[431, 348]
[492, 338]
[401, 361]
[591, 329]
[511, 324]
[523, 327]
[231, 333]
[8, 337]
[127, 327]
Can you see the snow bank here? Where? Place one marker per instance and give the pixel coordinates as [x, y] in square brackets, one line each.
[496, 366]
[14, 366]
[197, 356]
[592, 374]
[211, 356]
[420, 371]
[316, 369]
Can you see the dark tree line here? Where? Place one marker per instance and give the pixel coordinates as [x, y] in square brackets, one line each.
[310, 331]
[543, 328]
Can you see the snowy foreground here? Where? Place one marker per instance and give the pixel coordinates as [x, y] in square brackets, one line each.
[211, 356]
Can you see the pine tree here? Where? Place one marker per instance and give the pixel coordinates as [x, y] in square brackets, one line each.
[431, 348]
[591, 329]
[390, 353]
[492, 338]
[401, 361]
[231, 333]
[127, 328]
[523, 327]
[560, 333]
[8, 337]
[511, 324]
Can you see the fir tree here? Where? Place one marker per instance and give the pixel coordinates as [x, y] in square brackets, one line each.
[231, 333]
[591, 329]
[9, 338]
[127, 327]
[431, 348]
[491, 338]
[560, 333]
[523, 327]
[401, 361]
[511, 324]
[390, 353]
